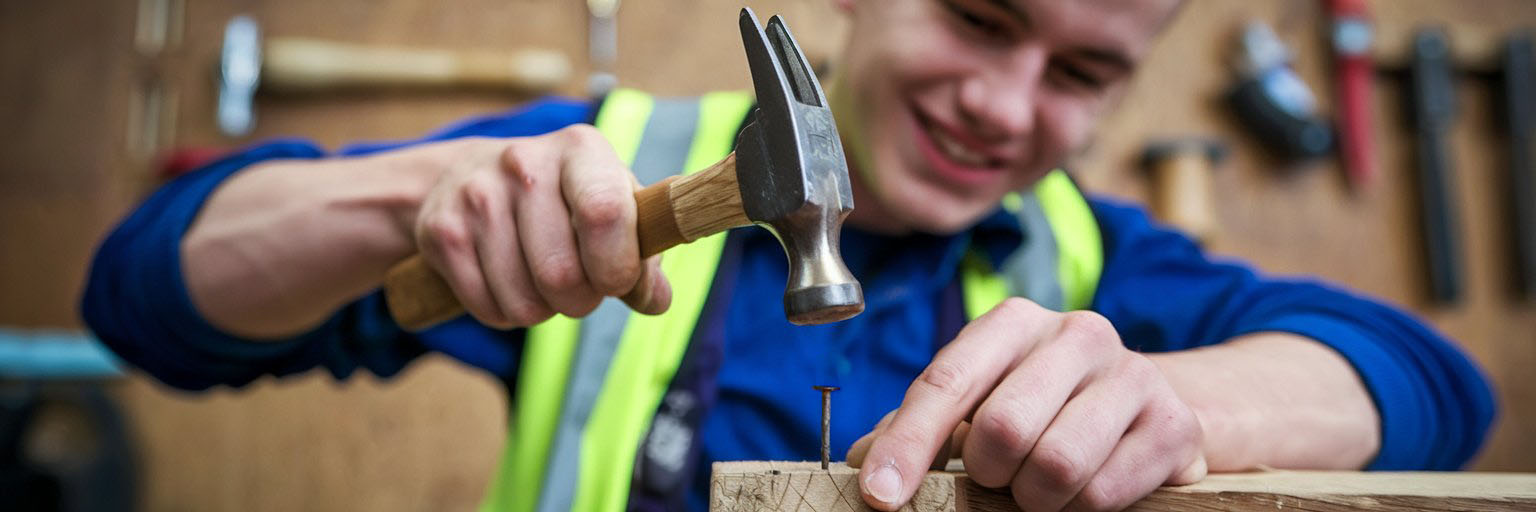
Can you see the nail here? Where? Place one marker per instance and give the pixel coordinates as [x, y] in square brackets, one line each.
[826, 424]
[884, 484]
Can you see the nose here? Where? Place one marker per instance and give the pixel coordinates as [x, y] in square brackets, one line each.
[998, 100]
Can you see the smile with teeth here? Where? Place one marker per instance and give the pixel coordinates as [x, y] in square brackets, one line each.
[955, 150]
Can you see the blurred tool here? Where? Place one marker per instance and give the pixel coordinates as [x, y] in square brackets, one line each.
[1353, 73]
[64, 444]
[310, 65]
[602, 45]
[1520, 115]
[1272, 102]
[1181, 176]
[1433, 109]
[787, 174]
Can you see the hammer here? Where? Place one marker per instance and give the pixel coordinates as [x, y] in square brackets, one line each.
[1181, 173]
[295, 64]
[787, 174]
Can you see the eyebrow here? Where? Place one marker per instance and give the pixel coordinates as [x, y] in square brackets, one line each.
[1104, 56]
[1018, 15]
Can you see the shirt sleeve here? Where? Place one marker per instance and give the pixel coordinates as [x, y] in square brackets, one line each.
[1162, 293]
[136, 300]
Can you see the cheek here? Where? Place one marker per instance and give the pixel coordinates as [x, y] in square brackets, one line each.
[1065, 123]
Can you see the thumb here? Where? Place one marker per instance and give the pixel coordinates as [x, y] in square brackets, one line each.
[860, 448]
[652, 294]
[888, 494]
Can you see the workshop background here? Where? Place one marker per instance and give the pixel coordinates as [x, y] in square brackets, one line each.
[101, 99]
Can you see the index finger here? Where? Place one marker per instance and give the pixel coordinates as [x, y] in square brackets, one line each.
[959, 378]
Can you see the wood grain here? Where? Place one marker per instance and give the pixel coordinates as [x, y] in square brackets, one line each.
[708, 201]
[794, 486]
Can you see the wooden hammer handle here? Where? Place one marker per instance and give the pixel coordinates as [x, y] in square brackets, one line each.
[674, 211]
[1183, 197]
[299, 64]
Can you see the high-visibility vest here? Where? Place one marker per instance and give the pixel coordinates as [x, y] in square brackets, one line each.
[587, 390]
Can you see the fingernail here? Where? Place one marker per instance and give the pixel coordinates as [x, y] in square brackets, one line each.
[884, 484]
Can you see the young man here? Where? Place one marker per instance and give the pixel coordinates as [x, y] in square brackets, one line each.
[269, 261]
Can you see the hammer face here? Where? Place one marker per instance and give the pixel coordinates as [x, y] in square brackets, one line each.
[794, 177]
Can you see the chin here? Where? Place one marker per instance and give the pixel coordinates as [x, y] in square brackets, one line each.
[935, 211]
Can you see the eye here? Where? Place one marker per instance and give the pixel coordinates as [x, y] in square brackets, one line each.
[976, 20]
[1073, 76]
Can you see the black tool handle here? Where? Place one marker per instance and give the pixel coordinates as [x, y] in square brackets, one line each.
[1520, 109]
[1434, 108]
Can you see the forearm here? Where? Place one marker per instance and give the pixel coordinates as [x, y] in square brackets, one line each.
[278, 248]
[1278, 400]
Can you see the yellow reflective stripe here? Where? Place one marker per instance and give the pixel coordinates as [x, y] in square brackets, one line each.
[652, 347]
[983, 287]
[622, 120]
[541, 381]
[720, 114]
[1077, 238]
[1012, 202]
[550, 346]
[649, 353]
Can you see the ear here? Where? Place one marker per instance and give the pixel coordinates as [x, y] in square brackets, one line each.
[845, 5]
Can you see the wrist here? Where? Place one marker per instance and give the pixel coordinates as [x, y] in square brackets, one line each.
[393, 185]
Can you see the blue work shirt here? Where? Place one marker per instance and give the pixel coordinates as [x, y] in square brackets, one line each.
[1158, 289]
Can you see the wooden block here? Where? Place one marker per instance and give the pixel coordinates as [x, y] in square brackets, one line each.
[795, 486]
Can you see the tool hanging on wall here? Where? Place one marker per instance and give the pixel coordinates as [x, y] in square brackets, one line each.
[1181, 176]
[1272, 102]
[1519, 98]
[602, 45]
[1353, 74]
[291, 64]
[1433, 109]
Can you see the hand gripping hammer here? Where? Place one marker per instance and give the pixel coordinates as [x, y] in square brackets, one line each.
[787, 174]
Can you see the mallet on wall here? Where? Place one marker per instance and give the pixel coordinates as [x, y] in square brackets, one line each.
[293, 64]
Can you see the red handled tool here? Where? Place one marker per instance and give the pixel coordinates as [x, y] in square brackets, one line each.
[1352, 70]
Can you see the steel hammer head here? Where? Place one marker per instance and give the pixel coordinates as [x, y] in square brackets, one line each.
[794, 177]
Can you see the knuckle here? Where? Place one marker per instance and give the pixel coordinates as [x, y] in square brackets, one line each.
[1016, 306]
[1061, 469]
[1138, 369]
[444, 234]
[600, 207]
[480, 196]
[1002, 432]
[558, 274]
[1183, 428]
[1089, 328]
[581, 134]
[516, 155]
[944, 379]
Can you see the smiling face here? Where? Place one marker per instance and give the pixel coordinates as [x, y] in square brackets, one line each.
[945, 106]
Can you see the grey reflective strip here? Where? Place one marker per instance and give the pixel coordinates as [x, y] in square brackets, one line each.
[666, 141]
[664, 148]
[1031, 270]
[600, 333]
